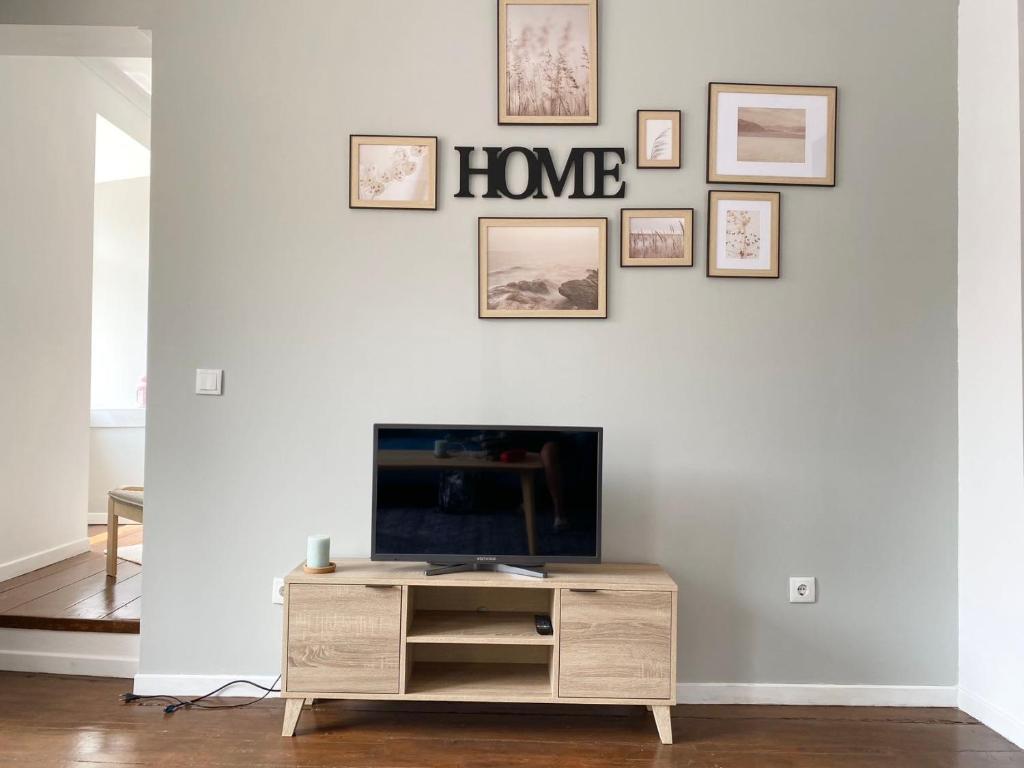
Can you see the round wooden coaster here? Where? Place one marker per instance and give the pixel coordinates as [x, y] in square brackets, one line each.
[329, 568]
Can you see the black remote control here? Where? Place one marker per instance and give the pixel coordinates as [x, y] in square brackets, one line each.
[544, 626]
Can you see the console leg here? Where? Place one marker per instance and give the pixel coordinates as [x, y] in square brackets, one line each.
[292, 710]
[663, 719]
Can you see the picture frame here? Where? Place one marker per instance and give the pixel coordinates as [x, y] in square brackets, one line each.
[392, 172]
[524, 98]
[659, 138]
[555, 267]
[744, 233]
[656, 237]
[772, 134]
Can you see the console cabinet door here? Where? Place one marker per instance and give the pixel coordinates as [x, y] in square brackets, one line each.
[615, 644]
[343, 638]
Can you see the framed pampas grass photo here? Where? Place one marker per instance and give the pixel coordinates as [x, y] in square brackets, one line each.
[547, 62]
[659, 138]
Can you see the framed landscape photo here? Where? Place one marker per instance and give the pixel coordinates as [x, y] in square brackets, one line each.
[772, 134]
[547, 62]
[743, 233]
[393, 172]
[554, 267]
[656, 237]
[659, 138]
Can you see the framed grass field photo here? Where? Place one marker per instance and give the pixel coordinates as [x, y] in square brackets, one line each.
[772, 134]
[551, 267]
[656, 237]
[547, 62]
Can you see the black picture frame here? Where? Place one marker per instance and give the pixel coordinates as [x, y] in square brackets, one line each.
[713, 221]
[644, 165]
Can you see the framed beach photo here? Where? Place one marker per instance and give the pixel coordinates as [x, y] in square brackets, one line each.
[772, 134]
[656, 237]
[743, 233]
[547, 62]
[659, 138]
[553, 267]
[393, 172]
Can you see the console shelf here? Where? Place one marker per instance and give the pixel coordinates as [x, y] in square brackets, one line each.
[386, 631]
[452, 681]
[476, 627]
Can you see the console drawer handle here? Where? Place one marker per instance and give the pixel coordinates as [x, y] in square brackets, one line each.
[379, 586]
[584, 590]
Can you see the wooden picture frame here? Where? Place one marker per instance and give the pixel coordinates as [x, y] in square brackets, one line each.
[392, 172]
[746, 244]
[522, 100]
[652, 145]
[650, 243]
[570, 281]
[772, 134]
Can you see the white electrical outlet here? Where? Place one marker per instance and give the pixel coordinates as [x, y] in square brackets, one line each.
[803, 589]
[277, 596]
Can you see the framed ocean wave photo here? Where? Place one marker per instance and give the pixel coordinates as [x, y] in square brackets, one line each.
[772, 134]
[543, 267]
[547, 62]
[393, 172]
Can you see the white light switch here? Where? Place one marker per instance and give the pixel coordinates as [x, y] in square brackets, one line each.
[208, 381]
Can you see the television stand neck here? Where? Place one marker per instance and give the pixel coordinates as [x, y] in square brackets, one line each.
[520, 570]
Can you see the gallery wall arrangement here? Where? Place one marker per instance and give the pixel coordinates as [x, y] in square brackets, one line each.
[556, 267]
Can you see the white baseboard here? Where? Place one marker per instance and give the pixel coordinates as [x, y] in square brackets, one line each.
[815, 694]
[97, 654]
[196, 685]
[687, 693]
[995, 717]
[42, 559]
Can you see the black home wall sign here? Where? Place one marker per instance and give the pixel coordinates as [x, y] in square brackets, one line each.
[606, 163]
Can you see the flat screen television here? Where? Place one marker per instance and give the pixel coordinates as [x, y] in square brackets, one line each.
[457, 494]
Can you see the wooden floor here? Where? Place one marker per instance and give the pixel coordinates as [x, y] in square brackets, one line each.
[66, 721]
[75, 594]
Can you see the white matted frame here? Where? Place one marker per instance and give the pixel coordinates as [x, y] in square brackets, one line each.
[820, 107]
[357, 200]
[504, 115]
[765, 263]
[483, 230]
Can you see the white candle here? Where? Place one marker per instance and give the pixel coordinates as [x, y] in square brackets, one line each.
[318, 551]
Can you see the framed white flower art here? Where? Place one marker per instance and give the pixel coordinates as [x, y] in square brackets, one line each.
[393, 172]
[743, 233]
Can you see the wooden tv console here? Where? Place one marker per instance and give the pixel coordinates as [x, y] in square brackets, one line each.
[386, 631]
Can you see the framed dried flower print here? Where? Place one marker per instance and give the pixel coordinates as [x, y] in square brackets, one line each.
[543, 267]
[547, 62]
[658, 138]
[743, 234]
[393, 172]
[656, 237]
[772, 134]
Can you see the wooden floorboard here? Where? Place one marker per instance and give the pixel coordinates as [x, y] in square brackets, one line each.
[65, 721]
[76, 594]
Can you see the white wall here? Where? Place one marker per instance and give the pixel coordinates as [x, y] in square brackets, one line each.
[991, 458]
[46, 196]
[754, 429]
[117, 456]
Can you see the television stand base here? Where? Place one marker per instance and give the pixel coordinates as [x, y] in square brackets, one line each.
[519, 570]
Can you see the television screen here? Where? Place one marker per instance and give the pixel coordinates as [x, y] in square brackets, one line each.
[517, 495]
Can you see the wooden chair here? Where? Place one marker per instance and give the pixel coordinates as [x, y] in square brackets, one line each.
[125, 501]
